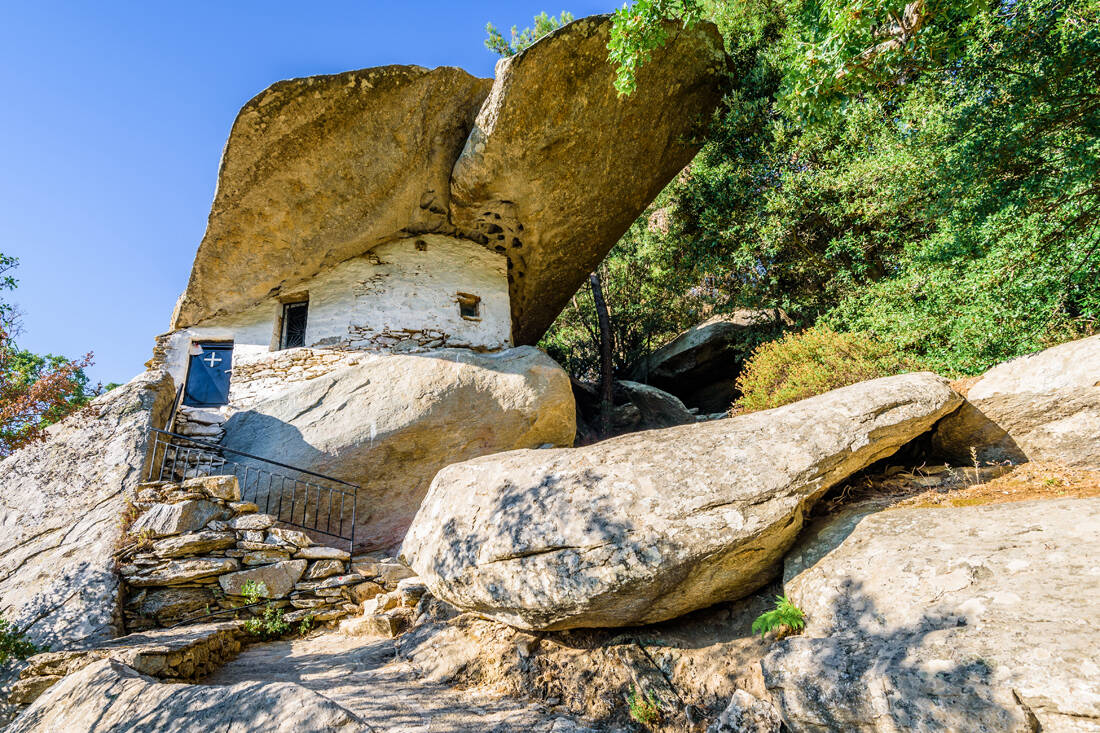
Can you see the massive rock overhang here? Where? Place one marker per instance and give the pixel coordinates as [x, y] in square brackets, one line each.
[546, 164]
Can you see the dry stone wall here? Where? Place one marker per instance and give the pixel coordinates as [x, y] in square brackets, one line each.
[195, 546]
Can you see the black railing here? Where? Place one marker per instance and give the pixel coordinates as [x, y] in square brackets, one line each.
[295, 496]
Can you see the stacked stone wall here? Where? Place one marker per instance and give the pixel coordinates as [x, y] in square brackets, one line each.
[194, 546]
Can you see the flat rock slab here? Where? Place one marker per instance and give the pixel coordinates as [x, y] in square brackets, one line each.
[109, 696]
[278, 578]
[649, 526]
[362, 675]
[945, 619]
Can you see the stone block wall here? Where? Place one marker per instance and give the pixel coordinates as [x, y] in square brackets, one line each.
[193, 547]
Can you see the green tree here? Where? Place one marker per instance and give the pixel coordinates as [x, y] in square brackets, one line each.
[498, 44]
[945, 202]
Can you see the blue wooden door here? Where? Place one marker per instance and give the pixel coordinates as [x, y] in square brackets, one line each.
[208, 376]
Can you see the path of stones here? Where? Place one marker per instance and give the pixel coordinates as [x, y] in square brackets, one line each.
[363, 676]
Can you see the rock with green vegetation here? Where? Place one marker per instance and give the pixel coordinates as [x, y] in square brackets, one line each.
[941, 619]
[1042, 407]
[60, 513]
[649, 526]
[277, 578]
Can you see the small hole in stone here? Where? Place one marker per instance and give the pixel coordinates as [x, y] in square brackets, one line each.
[516, 243]
[421, 245]
[494, 229]
[500, 248]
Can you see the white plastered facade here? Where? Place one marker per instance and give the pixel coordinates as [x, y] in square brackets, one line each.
[402, 296]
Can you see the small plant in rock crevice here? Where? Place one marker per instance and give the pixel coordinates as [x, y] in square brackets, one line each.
[785, 619]
[14, 644]
[270, 624]
[644, 708]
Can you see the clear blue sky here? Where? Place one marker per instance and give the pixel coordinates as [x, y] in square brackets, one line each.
[114, 117]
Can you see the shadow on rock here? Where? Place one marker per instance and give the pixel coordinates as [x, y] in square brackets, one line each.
[865, 676]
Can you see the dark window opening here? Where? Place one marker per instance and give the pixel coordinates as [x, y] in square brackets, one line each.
[469, 306]
[208, 375]
[294, 325]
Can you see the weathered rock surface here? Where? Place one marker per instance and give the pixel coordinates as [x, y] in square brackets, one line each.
[194, 543]
[747, 714]
[655, 408]
[557, 165]
[649, 526]
[59, 515]
[1042, 407]
[321, 169]
[964, 619]
[183, 571]
[453, 405]
[164, 520]
[109, 696]
[278, 578]
[700, 366]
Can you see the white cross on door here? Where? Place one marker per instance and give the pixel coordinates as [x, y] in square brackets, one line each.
[212, 359]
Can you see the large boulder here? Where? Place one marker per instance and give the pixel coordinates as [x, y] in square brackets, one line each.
[700, 366]
[558, 165]
[321, 169]
[109, 696]
[1042, 407]
[648, 526]
[60, 514]
[977, 618]
[389, 422]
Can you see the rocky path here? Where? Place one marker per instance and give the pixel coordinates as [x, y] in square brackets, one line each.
[363, 676]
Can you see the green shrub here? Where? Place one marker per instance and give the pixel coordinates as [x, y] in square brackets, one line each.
[269, 625]
[785, 617]
[14, 644]
[643, 708]
[812, 362]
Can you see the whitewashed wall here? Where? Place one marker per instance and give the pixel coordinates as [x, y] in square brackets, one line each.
[398, 297]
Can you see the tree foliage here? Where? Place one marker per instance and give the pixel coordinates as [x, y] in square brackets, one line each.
[36, 390]
[926, 173]
[543, 24]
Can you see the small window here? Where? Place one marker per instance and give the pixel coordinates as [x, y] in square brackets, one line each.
[469, 306]
[294, 325]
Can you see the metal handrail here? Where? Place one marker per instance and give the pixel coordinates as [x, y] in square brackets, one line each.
[303, 496]
[221, 448]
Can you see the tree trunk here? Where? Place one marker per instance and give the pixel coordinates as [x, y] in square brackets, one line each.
[604, 321]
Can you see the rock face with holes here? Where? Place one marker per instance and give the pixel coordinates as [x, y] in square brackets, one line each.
[390, 422]
[1042, 407]
[965, 618]
[60, 510]
[557, 165]
[648, 526]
